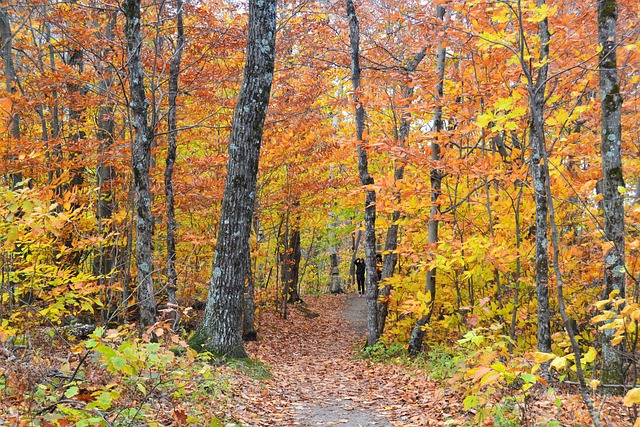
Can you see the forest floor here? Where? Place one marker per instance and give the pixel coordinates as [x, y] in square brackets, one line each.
[316, 379]
[306, 370]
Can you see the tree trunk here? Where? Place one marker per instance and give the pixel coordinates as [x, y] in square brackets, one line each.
[105, 260]
[417, 334]
[371, 279]
[538, 176]
[612, 200]
[249, 332]
[290, 257]
[292, 266]
[355, 241]
[336, 283]
[174, 74]
[221, 330]
[11, 82]
[140, 156]
[391, 243]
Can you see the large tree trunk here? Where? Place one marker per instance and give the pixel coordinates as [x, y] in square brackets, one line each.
[391, 243]
[538, 176]
[417, 334]
[140, 156]
[174, 74]
[221, 330]
[371, 280]
[612, 200]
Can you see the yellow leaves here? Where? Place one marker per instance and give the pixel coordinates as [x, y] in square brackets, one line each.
[484, 375]
[633, 46]
[484, 120]
[617, 340]
[559, 117]
[540, 357]
[590, 356]
[501, 14]
[538, 14]
[602, 317]
[632, 397]
[489, 39]
[631, 310]
[5, 114]
[503, 104]
[559, 363]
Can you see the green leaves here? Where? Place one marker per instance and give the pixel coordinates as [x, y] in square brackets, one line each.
[71, 392]
[104, 400]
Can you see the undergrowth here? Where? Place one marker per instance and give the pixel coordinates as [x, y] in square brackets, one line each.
[116, 378]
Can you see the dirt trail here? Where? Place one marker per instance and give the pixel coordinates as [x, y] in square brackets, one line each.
[318, 382]
[336, 396]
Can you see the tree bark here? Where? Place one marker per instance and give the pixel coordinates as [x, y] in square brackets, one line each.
[174, 74]
[538, 176]
[249, 332]
[221, 330]
[140, 156]
[336, 283]
[11, 83]
[355, 241]
[291, 255]
[417, 334]
[105, 205]
[371, 279]
[291, 266]
[612, 200]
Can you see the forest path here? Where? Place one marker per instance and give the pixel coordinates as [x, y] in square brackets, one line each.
[317, 381]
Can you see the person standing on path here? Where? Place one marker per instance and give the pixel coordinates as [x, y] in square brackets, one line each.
[360, 268]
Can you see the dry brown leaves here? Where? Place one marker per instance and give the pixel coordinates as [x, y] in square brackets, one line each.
[315, 370]
[317, 381]
[313, 366]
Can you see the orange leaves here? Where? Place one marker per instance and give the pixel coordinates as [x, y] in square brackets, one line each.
[5, 114]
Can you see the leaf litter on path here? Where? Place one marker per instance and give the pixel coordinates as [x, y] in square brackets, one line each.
[317, 381]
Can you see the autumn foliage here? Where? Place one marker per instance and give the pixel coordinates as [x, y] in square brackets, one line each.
[68, 205]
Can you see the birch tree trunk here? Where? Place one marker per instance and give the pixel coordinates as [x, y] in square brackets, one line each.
[371, 280]
[140, 156]
[417, 334]
[612, 200]
[174, 74]
[221, 330]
